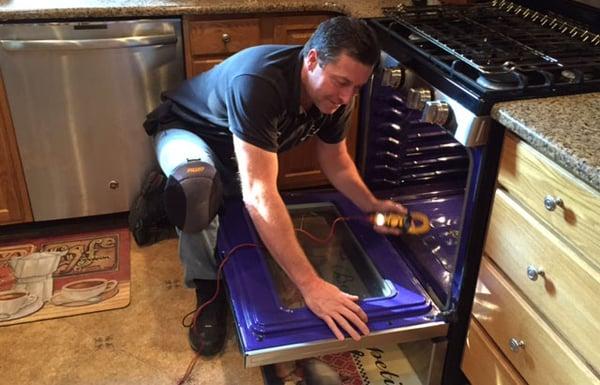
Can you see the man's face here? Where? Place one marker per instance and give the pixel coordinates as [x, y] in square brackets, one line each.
[334, 84]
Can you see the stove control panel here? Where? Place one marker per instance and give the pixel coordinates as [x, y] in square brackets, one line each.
[417, 99]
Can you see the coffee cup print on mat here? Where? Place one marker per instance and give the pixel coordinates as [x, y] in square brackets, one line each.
[87, 289]
[13, 301]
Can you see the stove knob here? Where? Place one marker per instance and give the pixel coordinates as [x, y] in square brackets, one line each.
[417, 97]
[392, 77]
[435, 112]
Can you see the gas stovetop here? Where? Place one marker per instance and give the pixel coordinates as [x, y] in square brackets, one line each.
[499, 50]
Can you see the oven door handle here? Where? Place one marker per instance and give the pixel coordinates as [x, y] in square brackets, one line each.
[120, 42]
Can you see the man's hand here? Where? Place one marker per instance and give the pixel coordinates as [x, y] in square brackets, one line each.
[388, 206]
[343, 175]
[336, 308]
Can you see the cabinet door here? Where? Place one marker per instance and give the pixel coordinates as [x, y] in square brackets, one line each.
[483, 363]
[295, 29]
[14, 202]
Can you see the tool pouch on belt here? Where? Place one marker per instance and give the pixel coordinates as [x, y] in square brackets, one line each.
[159, 117]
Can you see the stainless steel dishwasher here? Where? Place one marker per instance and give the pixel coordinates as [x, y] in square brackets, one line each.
[78, 94]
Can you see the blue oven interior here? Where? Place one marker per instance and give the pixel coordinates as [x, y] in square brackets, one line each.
[425, 168]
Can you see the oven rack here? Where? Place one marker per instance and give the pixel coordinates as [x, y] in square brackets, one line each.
[504, 41]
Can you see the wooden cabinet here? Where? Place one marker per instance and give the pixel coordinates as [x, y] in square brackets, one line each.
[537, 291]
[299, 167]
[536, 182]
[14, 201]
[530, 344]
[294, 29]
[210, 41]
[484, 363]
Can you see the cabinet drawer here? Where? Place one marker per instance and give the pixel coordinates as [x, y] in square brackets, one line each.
[199, 66]
[530, 177]
[221, 37]
[519, 245]
[483, 363]
[544, 358]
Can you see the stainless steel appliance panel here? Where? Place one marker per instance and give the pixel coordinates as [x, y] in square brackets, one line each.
[78, 94]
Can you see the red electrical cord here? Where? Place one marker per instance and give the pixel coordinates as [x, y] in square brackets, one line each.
[331, 232]
[199, 310]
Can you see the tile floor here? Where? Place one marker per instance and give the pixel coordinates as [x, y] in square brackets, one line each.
[143, 343]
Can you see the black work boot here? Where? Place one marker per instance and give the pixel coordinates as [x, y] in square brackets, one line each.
[207, 334]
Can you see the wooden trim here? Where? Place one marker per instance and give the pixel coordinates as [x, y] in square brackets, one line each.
[19, 209]
[186, 46]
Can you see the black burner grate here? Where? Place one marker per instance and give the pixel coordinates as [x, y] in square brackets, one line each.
[502, 45]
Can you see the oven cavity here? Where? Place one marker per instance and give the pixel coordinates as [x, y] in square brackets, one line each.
[405, 150]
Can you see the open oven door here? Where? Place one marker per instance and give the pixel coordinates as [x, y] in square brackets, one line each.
[272, 321]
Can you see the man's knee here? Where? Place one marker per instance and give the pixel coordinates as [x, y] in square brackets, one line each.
[193, 195]
[176, 146]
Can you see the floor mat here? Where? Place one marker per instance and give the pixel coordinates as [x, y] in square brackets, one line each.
[370, 366]
[52, 277]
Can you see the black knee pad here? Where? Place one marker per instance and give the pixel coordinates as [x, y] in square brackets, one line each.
[193, 195]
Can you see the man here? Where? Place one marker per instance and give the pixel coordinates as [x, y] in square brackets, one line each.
[237, 117]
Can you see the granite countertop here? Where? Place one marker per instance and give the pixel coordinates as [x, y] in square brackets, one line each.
[566, 129]
[70, 9]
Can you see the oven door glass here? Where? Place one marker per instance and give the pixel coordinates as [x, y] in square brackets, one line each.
[339, 260]
[272, 322]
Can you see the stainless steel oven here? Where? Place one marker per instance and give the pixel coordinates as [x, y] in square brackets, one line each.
[426, 140]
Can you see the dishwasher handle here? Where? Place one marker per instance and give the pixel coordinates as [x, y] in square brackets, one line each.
[119, 42]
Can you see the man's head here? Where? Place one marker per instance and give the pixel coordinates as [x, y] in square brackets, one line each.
[338, 59]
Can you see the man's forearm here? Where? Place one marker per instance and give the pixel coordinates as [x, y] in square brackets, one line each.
[276, 230]
[344, 176]
[258, 177]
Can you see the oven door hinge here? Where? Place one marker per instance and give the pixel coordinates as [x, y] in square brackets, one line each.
[448, 315]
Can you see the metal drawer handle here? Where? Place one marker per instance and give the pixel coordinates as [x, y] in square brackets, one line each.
[533, 272]
[515, 345]
[226, 38]
[122, 42]
[551, 202]
[113, 184]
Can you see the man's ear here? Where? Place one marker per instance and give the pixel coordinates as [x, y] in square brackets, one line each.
[312, 59]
